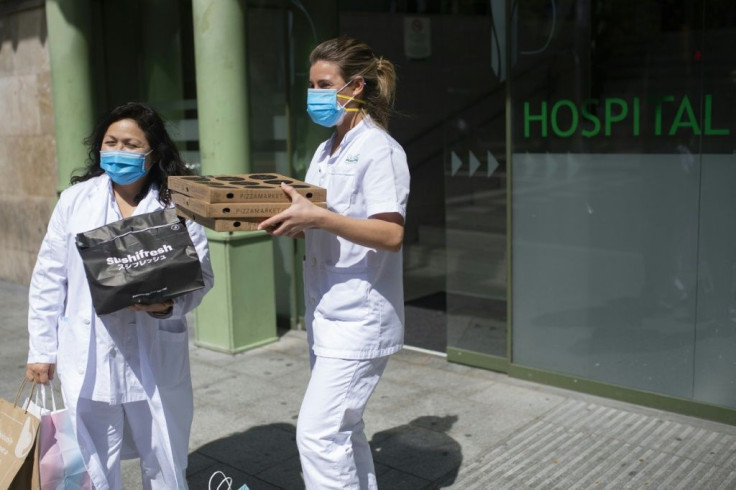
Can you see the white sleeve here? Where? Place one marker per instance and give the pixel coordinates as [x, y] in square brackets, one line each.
[48, 290]
[187, 302]
[386, 179]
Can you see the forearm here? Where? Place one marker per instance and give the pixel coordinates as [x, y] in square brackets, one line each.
[383, 231]
[372, 232]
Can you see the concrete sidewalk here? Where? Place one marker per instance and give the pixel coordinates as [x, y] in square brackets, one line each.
[432, 424]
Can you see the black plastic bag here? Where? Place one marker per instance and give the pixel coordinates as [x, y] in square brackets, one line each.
[144, 259]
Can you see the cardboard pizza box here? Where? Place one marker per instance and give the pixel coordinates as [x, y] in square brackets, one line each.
[263, 187]
[223, 224]
[232, 209]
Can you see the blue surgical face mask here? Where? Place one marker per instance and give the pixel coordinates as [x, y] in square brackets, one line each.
[323, 107]
[123, 167]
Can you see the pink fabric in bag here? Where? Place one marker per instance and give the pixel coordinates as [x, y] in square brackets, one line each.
[60, 460]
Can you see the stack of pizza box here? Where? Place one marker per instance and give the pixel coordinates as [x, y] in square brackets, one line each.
[236, 202]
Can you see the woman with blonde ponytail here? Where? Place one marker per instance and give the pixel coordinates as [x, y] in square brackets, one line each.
[353, 263]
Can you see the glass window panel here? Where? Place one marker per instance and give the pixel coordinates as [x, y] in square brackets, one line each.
[715, 361]
[604, 267]
[715, 349]
[623, 237]
[618, 193]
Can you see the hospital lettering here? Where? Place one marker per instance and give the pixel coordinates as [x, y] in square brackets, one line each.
[598, 117]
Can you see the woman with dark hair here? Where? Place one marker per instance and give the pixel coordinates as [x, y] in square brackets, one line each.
[164, 151]
[125, 375]
[353, 264]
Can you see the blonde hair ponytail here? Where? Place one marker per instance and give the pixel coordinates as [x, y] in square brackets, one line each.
[386, 93]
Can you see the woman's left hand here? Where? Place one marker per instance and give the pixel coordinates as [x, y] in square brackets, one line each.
[153, 307]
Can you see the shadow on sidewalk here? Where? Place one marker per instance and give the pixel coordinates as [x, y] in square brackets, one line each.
[417, 455]
[412, 456]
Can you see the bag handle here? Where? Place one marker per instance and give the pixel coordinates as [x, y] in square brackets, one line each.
[20, 390]
[53, 398]
[226, 480]
[41, 396]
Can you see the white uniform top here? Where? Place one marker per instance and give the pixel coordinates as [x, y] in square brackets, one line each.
[117, 377]
[354, 294]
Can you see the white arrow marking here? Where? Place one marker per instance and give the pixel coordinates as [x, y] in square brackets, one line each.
[492, 164]
[474, 163]
[456, 163]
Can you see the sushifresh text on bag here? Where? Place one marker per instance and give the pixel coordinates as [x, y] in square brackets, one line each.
[164, 265]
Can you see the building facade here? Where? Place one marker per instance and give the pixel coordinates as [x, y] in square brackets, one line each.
[571, 162]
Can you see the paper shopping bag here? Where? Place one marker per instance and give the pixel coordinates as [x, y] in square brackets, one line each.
[149, 258]
[18, 448]
[61, 465]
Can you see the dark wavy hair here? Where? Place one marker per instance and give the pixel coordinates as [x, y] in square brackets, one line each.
[165, 153]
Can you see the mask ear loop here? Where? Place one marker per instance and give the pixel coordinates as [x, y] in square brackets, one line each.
[350, 98]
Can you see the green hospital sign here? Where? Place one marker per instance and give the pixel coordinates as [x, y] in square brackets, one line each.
[565, 118]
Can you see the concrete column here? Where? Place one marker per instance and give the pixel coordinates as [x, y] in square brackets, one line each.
[69, 35]
[222, 95]
[240, 312]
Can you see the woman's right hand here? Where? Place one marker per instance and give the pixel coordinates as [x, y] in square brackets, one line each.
[300, 216]
[40, 373]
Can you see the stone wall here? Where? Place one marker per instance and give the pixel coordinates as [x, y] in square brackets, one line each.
[28, 174]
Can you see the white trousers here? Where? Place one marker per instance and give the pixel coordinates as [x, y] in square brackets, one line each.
[106, 425]
[333, 448]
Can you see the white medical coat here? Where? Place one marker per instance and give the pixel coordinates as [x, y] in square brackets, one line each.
[61, 322]
[354, 294]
